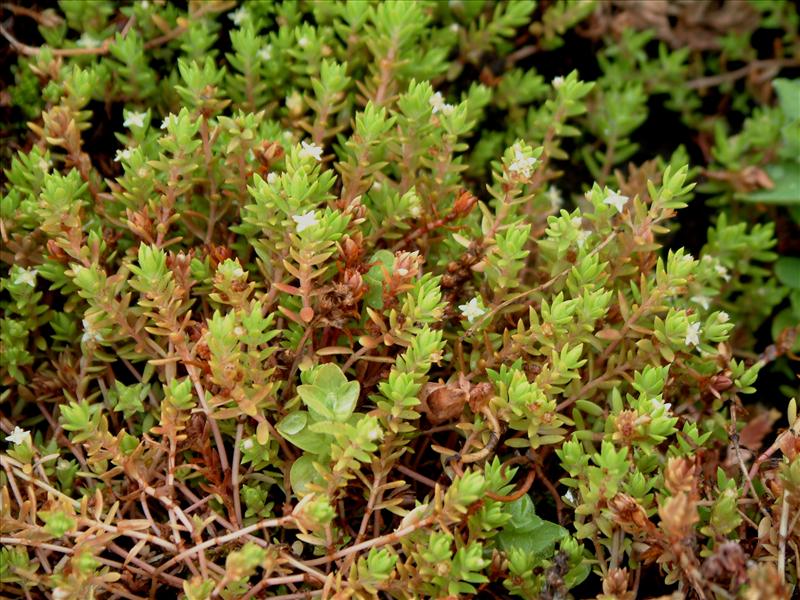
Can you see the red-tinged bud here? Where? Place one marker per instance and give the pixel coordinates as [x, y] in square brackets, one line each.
[464, 203]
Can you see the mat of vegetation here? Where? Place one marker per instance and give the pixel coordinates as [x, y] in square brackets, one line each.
[409, 299]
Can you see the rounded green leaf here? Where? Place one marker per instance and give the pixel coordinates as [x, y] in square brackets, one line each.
[787, 270]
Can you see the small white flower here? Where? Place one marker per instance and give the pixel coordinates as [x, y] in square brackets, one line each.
[556, 199]
[134, 119]
[522, 165]
[88, 41]
[239, 331]
[61, 594]
[703, 301]
[472, 310]
[374, 433]
[272, 177]
[303, 42]
[90, 334]
[723, 317]
[294, 102]
[310, 150]
[723, 272]
[416, 211]
[305, 220]
[570, 496]
[247, 444]
[167, 120]
[239, 16]
[123, 155]
[454, 27]
[287, 135]
[18, 436]
[576, 222]
[583, 235]
[558, 81]
[439, 105]
[657, 403]
[27, 276]
[265, 53]
[692, 335]
[145, 4]
[616, 200]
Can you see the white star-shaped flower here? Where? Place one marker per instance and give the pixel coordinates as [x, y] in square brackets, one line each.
[239, 16]
[265, 52]
[616, 200]
[522, 165]
[310, 150]
[692, 335]
[305, 220]
[722, 271]
[303, 42]
[18, 436]
[554, 195]
[87, 40]
[247, 444]
[167, 120]
[123, 154]
[437, 102]
[272, 177]
[558, 81]
[703, 301]
[656, 403]
[583, 235]
[472, 310]
[439, 105]
[723, 317]
[90, 334]
[570, 496]
[134, 119]
[27, 276]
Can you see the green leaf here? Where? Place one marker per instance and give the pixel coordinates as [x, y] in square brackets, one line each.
[344, 401]
[786, 179]
[293, 423]
[789, 97]
[539, 542]
[294, 427]
[303, 473]
[787, 270]
[527, 531]
[329, 377]
[318, 400]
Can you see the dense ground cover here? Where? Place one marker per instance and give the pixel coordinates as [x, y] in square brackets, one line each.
[400, 299]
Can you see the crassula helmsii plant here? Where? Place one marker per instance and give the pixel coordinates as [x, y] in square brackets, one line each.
[316, 321]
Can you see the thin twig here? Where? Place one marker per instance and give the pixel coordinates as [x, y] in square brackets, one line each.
[715, 80]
